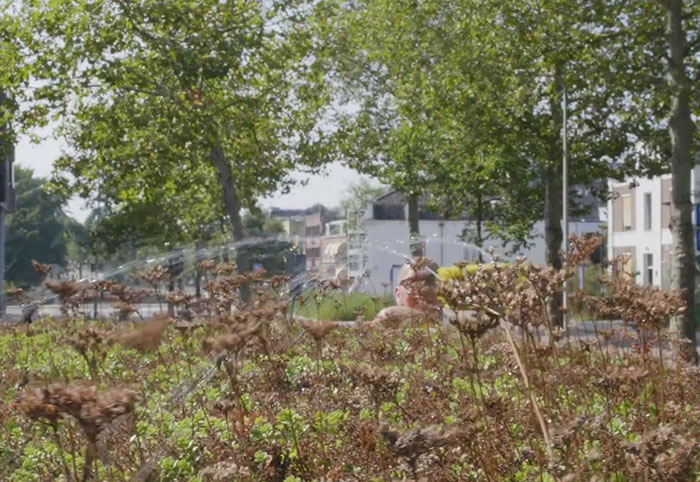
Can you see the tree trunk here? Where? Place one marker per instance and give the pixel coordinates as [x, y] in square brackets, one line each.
[413, 226]
[681, 130]
[233, 209]
[171, 306]
[553, 234]
[479, 221]
[197, 272]
[198, 283]
[228, 184]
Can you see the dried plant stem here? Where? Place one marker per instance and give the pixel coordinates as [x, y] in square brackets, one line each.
[90, 459]
[523, 372]
[475, 358]
[662, 378]
[69, 475]
[600, 345]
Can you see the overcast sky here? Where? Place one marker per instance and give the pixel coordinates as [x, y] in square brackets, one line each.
[326, 189]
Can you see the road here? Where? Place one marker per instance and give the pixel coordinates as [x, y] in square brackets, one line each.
[581, 330]
[104, 310]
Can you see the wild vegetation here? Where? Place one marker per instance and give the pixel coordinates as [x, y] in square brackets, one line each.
[220, 102]
[251, 394]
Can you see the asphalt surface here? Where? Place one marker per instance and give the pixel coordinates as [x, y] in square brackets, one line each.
[584, 331]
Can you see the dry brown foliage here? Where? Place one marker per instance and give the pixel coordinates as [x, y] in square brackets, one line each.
[413, 443]
[156, 275]
[319, 330]
[145, 337]
[520, 399]
[92, 408]
[42, 270]
[16, 293]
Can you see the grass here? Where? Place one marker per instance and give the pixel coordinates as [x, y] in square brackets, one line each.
[341, 306]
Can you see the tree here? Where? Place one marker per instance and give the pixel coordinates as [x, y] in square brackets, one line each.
[680, 62]
[179, 105]
[482, 85]
[654, 48]
[357, 197]
[77, 244]
[260, 224]
[38, 230]
[383, 53]
[496, 200]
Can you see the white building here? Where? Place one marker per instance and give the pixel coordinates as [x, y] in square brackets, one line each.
[639, 227]
[334, 250]
[357, 253]
[386, 246]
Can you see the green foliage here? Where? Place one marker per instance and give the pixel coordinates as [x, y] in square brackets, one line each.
[356, 199]
[259, 223]
[459, 272]
[168, 105]
[343, 307]
[38, 230]
[385, 68]
[307, 411]
[272, 255]
[463, 99]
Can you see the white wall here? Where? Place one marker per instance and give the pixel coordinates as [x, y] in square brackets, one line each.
[648, 241]
[387, 247]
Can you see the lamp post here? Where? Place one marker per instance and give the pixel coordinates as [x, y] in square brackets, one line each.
[565, 202]
[565, 186]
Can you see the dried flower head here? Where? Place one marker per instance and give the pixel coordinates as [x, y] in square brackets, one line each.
[42, 270]
[156, 275]
[146, 337]
[381, 383]
[415, 442]
[91, 408]
[225, 269]
[88, 340]
[224, 471]
[319, 330]
[15, 293]
[581, 249]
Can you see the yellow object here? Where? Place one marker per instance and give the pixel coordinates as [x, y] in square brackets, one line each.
[456, 273]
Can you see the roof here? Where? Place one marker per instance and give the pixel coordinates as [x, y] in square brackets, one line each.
[391, 206]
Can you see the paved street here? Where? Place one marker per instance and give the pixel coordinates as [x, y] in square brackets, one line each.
[104, 310]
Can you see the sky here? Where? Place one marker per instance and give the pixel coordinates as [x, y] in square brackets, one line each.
[327, 189]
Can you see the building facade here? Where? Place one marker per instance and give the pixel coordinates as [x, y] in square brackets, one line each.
[639, 233]
[334, 250]
[386, 245]
[294, 227]
[313, 230]
[357, 253]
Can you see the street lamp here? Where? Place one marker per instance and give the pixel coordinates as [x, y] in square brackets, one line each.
[565, 201]
[565, 186]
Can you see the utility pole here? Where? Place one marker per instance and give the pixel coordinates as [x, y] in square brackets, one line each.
[565, 202]
[565, 187]
[2, 250]
[7, 192]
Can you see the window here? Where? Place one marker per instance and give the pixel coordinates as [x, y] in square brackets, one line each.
[627, 212]
[647, 211]
[648, 269]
